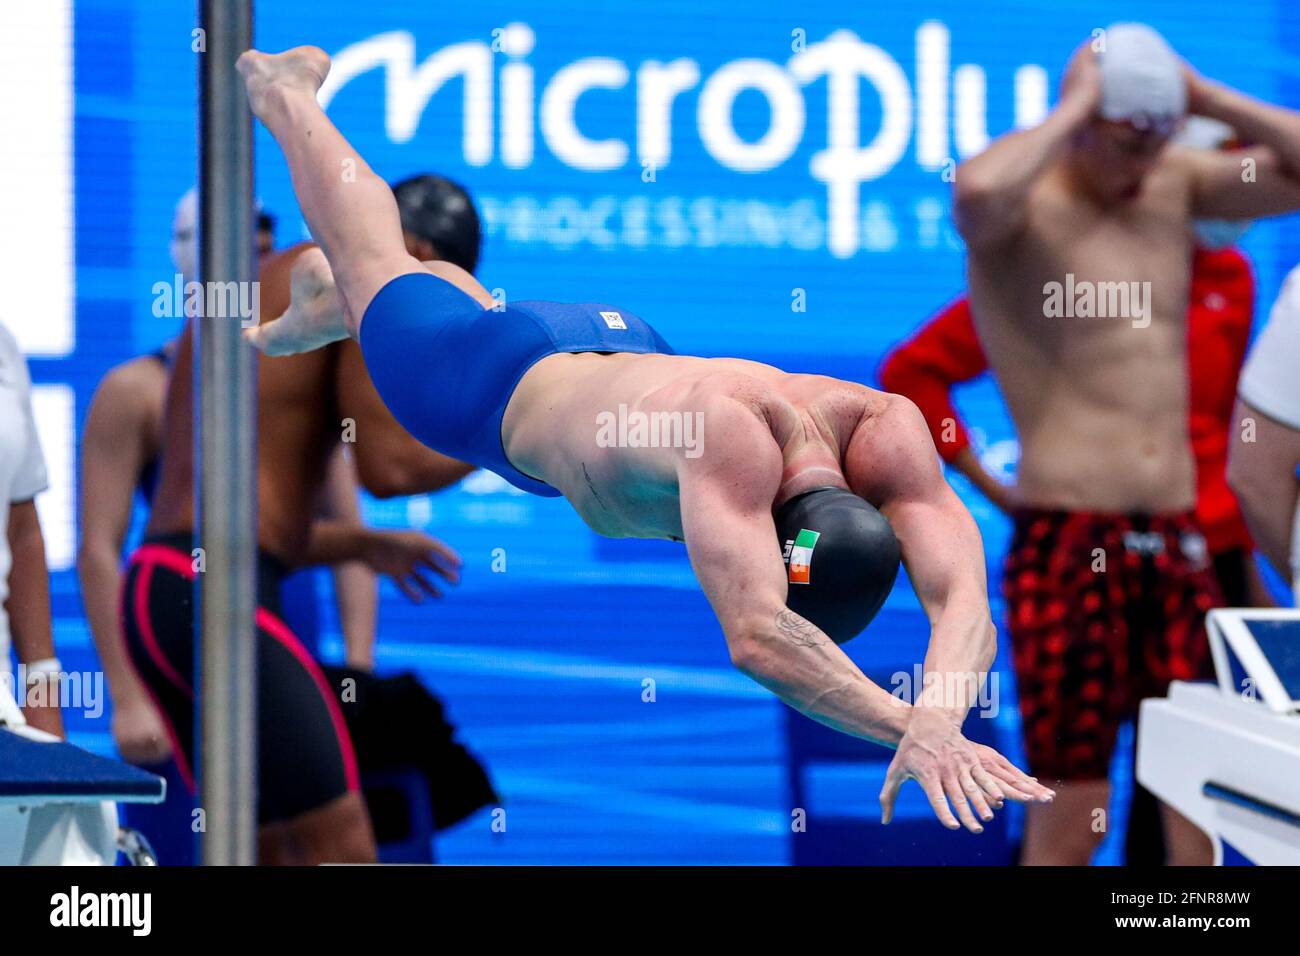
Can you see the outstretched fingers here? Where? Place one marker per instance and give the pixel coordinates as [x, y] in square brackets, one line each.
[933, 786]
[1017, 784]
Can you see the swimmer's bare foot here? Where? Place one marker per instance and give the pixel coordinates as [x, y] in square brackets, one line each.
[315, 316]
[302, 69]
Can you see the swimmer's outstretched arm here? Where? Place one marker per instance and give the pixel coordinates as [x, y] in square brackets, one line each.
[726, 507]
[891, 462]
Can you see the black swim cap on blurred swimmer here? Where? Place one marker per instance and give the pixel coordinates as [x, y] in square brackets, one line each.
[842, 559]
[441, 211]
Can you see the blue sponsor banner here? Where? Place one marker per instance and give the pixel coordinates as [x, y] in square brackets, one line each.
[773, 185]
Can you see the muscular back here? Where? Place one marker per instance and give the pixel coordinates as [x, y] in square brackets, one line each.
[298, 428]
[1100, 403]
[553, 430]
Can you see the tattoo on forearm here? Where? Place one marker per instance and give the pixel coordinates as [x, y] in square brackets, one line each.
[798, 631]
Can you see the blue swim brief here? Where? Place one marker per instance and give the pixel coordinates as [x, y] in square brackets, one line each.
[446, 367]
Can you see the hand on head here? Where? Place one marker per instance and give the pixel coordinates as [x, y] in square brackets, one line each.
[1082, 79]
[1143, 81]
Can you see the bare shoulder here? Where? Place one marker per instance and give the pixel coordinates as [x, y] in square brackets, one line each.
[892, 423]
[838, 395]
[740, 459]
[897, 413]
[127, 408]
[891, 452]
[136, 385]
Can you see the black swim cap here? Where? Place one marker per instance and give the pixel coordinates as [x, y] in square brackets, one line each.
[842, 559]
[442, 212]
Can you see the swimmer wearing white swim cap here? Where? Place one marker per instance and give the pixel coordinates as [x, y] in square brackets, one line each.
[1141, 79]
[1080, 237]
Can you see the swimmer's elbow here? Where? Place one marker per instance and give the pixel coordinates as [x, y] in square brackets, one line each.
[971, 189]
[395, 483]
[95, 555]
[421, 475]
[1250, 482]
[982, 209]
[1239, 475]
[755, 648]
[384, 480]
[385, 488]
[988, 646]
[745, 655]
[746, 645]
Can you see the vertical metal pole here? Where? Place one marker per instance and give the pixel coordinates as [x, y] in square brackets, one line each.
[226, 448]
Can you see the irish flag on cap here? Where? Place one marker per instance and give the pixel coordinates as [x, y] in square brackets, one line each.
[801, 556]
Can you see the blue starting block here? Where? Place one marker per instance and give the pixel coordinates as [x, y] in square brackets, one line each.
[58, 803]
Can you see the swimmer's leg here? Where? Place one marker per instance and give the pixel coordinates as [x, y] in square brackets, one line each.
[1064, 832]
[316, 313]
[350, 211]
[1186, 843]
[339, 832]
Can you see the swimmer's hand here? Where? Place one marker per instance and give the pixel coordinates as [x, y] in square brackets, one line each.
[315, 315]
[1197, 89]
[138, 730]
[951, 768]
[46, 717]
[1082, 83]
[407, 557]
